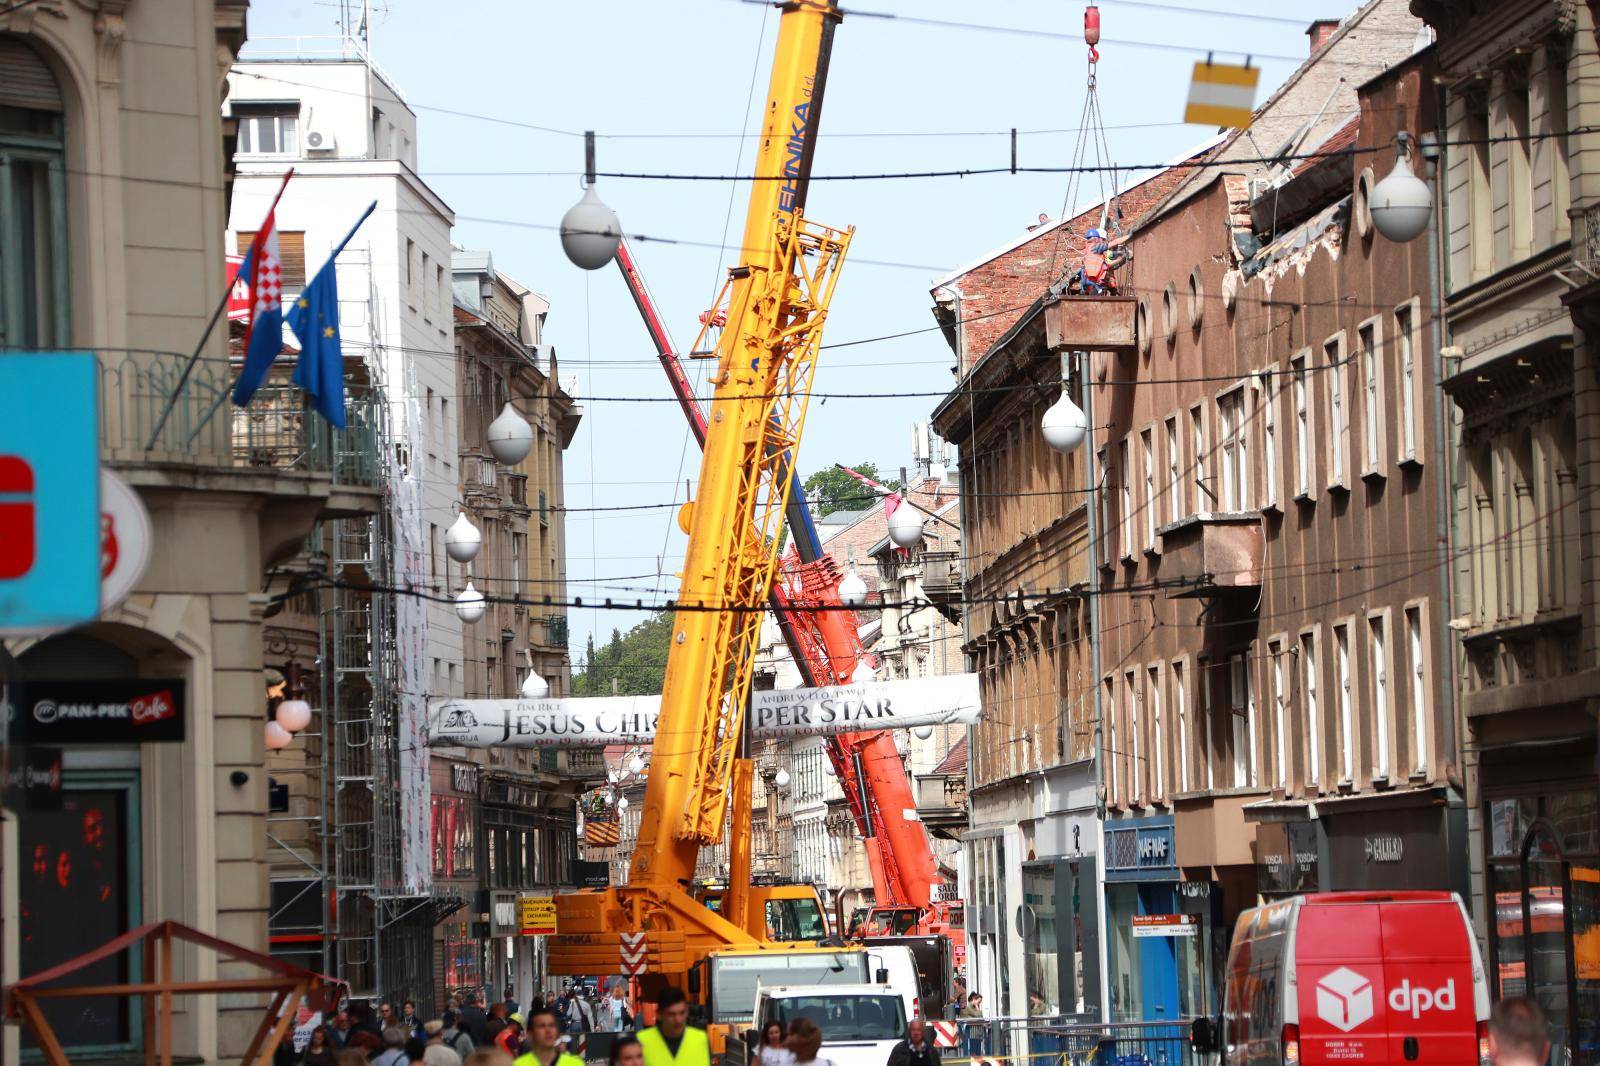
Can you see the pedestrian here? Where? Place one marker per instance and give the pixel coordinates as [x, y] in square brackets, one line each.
[409, 1020]
[975, 1031]
[672, 1041]
[415, 1051]
[544, 1047]
[319, 1049]
[804, 1041]
[627, 1051]
[365, 1041]
[364, 1019]
[453, 1037]
[511, 1002]
[394, 1048]
[916, 1049]
[1518, 1033]
[385, 1015]
[350, 1057]
[510, 1038]
[580, 1014]
[472, 1018]
[770, 1051]
[1037, 1007]
[614, 1014]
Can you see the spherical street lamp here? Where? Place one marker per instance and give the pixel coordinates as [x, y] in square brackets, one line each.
[863, 672]
[535, 687]
[1401, 203]
[278, 737]
[510, 437]
[636, 764]
[622, 804]
[922, 732]
[852, 590]
[781, 779]
[470, 604]
[1064, 424]
[905, 526]
[294, 715]
[590, 232]
[462, 540]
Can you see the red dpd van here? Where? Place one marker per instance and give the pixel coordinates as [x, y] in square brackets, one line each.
[1372, 978]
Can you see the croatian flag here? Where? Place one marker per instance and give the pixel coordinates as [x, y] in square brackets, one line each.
[263, 269]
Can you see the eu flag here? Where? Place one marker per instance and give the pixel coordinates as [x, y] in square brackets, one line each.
[315, 321]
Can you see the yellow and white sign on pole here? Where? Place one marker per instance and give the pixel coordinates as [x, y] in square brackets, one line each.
[1222, 94]
[536, 915]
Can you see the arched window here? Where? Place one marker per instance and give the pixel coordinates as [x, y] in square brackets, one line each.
[33, 202]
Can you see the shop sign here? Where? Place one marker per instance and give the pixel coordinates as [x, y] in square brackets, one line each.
[1286, 857]
[99, 712]
[125, 540]
[1141, 849]
[587, 873]
[464, 777]
[1385, 848]
[50, 557]
[1389, 850]
[33, 777]
[536, 915]
[1194, 889]
[1150, 925]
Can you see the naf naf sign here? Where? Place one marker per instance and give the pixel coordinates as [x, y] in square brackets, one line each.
[1141, 849]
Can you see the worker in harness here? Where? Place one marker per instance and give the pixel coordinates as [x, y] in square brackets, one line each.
[672, 1041]
[1101, 258]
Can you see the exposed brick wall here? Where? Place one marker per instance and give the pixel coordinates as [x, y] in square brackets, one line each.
[1003, 287]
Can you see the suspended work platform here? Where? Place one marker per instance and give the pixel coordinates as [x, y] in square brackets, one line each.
[1091, 323]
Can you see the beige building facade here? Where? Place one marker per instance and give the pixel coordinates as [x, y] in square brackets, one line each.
[127, 160]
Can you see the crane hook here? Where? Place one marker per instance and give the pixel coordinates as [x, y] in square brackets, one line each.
[1091, 31]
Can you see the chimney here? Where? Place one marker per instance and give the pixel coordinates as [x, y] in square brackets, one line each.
[1319, 32]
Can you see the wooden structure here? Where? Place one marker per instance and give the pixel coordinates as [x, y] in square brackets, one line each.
[288, 984]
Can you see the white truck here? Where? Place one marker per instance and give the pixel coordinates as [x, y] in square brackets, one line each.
[860, 1023]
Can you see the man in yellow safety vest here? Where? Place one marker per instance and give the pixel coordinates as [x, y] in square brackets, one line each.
[671, 1041]
[542, 1035]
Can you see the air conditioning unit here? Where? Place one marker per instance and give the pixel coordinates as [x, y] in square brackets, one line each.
[320, 142]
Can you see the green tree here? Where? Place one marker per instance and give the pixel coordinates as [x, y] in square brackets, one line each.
[637, 661]
[831, 489]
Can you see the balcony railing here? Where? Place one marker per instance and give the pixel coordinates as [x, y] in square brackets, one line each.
[278, 431]
[941, 574]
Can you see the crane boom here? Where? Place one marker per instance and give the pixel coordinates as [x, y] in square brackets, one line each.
[774, 304]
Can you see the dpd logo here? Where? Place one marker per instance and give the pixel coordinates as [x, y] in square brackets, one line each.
[1413, 1001]
[1344, 999]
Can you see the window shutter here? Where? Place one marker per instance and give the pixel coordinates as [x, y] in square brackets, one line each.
[292, 252]
[25, 79]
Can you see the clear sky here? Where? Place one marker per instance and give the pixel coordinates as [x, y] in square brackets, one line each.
[901, 96]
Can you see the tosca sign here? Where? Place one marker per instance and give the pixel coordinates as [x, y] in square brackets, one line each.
[632, 719]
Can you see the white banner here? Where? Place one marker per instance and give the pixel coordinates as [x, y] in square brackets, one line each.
[952, 699]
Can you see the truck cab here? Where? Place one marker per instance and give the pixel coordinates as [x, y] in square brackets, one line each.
[860, 1023]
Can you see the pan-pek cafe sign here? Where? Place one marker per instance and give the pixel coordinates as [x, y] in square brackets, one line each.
[950, 700]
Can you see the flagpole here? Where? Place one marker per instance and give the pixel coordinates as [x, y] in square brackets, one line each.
[172, 400]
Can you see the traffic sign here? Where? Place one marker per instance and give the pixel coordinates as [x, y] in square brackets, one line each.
[634, 948]
[49, 492]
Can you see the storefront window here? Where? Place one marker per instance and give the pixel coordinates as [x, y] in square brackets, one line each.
[1544, 879]
[1039, 939]
[78, 889]
[463, 962]
[1122, 904]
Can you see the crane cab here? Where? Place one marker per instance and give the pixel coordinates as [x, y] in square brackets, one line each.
[780, 913]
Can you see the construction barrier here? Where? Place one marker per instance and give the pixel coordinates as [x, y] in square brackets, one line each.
[1064, 1041]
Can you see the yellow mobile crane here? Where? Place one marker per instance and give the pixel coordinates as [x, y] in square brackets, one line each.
[773, 306]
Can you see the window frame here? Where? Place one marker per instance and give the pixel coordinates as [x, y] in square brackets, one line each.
[1419, 669]
[1374, 399]
[1380, 683]
[1413, 405]
[1147, 448]
[1179, 673]
[1335, 368]
[1155, 679]
[1303, 397]
[1233, 447]
[1174, 456]
[1344, 694]
[247, 113]
[1265, 394]
[54, 328]
[1309, 645]
[1277, 651]
[1125, 499]
[1199, 447]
